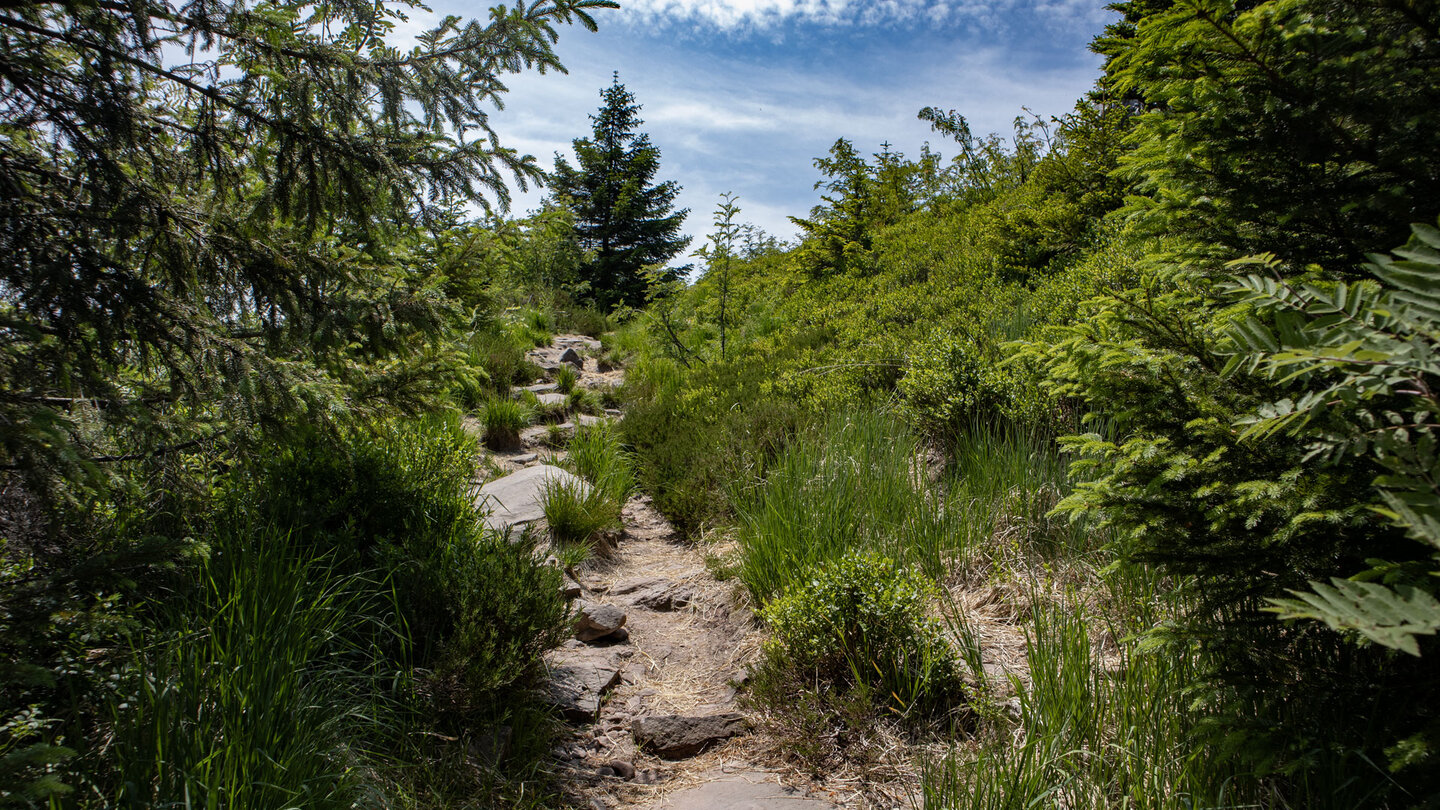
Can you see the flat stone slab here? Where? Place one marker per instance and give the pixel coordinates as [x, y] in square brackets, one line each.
[578, 681]
[551, 400]
[675, 736]
[576, 341]
[517, 500]
[743, 791]
[654, 593]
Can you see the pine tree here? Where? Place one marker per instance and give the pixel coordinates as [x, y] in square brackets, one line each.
[208, 210]
[624, 221]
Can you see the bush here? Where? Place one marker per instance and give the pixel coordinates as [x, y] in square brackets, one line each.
[860, 621]
[693, 433]
[588, 321]
[503, 420]
[950, 382]
[502, 356]
[507, 613]
[396, 498]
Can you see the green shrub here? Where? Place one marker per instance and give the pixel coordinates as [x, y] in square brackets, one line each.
[588, 321]
[503, 359]
[507, 612]
[694, 433]
[396, 498]
[950, 382]
[861, 621]
[503, 420]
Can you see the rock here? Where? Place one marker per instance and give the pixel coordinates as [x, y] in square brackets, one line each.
[515, 501]
[622, 769]
[654, 593]
[572, 357]
[597, 621]
[578, 341]
[542, 388]
[605, 770]
[524, 458]
[569, 588]
[551, 400]
[614, 413]
[579, 680]
[674, 736]
[743, 791]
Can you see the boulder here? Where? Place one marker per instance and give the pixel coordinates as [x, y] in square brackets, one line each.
[622, 769]
[572, 357]
[517, 500]
[551, 400]
[578, 680]
[675, 736]
[595, 621]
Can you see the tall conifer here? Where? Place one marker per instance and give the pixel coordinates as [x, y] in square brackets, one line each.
[623, 220]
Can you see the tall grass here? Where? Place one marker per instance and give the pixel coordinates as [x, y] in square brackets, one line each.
[596, 454]
[577, 513]
[503, 420]
[368, 630]
[860, 480]
[270, 690]
[1005, 480]
[1096, 731]
[857, 481]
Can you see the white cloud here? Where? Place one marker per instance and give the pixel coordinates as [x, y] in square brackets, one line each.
[737, 113]
[752, 15]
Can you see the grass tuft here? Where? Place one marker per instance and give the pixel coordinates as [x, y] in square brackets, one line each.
[503, 420]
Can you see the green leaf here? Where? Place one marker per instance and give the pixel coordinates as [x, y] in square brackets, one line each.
[1392, 618]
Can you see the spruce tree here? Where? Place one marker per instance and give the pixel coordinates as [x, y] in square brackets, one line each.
[210, 212]
[625, 222]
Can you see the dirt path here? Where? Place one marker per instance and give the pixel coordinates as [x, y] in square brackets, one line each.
[654, 719]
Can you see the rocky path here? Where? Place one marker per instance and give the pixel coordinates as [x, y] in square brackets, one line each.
[649, 683]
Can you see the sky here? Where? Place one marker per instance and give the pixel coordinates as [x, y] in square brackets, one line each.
[741, 96]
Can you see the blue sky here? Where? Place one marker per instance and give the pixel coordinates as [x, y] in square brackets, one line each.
[742, 95]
